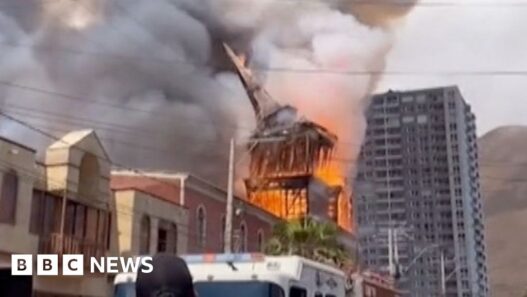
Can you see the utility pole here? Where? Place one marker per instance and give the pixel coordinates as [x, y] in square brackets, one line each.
[229, 212]
[390, 252]
[63, 217]
[395, 250]
[443, 278]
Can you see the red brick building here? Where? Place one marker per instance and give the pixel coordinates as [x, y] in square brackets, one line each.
[206, 204]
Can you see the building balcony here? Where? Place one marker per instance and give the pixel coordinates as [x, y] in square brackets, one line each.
[66, 244]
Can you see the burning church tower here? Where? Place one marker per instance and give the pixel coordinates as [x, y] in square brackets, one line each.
[286, 154]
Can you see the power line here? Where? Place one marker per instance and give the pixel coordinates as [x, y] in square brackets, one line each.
[140, 146]
[389, 3]
[86, 101]
[337, 160]
[397, 72]
[86, 123]
[53, 137]
[409, 4]
[135, 146]
[318, 71]
[156, 150]
[161, 41]
[40, 131]
[141, 25]
[97, 54]
[30, 176]
[102, 125]
[109, 126]
[306, 71]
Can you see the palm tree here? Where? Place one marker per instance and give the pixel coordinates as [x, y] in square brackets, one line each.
[310, 239]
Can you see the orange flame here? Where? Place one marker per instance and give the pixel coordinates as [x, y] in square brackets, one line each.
[333, 175]
[281, 204]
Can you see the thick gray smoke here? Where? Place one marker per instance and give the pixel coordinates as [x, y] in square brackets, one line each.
[147, 77]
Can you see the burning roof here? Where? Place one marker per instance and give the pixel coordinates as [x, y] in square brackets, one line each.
[287, 151]
[262, 103]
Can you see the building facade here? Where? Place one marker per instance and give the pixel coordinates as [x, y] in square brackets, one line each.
[17, 176]
[206, 206]
[418, 183]
[72, 203]
[71, 211]
[60, 206]
[64, 205]
[148, 224]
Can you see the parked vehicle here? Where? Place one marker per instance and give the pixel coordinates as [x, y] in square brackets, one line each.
[253, 275]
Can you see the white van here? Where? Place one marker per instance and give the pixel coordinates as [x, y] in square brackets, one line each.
[253, 275]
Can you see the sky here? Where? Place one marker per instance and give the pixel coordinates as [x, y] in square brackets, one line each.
[466, 37]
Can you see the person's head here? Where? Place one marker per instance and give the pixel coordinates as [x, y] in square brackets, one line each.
[169, 278]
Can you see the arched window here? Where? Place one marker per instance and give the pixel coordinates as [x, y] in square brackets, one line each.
[223, 227]
[8, 197]
[89, 176]
[144, 237]
[261, 242]
[202, 227]
[243, 237]
[162, 239]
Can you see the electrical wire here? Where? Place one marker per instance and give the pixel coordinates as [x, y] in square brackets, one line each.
[32, 113]
[71, 122]
[373, 3]
[287, 70]
[134, 170]
[29, 176]
[316, 71]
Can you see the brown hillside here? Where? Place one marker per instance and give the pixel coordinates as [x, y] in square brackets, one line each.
[503, 168]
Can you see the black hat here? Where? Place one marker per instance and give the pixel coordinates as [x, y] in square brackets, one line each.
[170, 278]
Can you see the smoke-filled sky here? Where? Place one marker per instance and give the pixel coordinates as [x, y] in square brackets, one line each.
[145, 74]
[467, 37]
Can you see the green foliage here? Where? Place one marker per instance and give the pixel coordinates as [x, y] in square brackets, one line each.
[309, 239]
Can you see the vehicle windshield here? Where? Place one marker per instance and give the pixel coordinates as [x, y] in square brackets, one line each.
[238, 289]
[124, 290]
[217, 289]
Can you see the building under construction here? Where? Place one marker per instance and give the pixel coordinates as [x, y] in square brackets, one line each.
[286, 153]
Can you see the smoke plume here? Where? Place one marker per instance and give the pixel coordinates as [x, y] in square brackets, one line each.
[146, 75]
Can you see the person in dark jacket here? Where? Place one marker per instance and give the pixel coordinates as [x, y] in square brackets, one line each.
[15, 286]
[170, 278]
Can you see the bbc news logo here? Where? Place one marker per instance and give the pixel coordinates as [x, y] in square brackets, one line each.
[74, 265]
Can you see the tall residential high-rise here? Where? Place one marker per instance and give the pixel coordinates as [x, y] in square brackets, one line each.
[418, 180]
